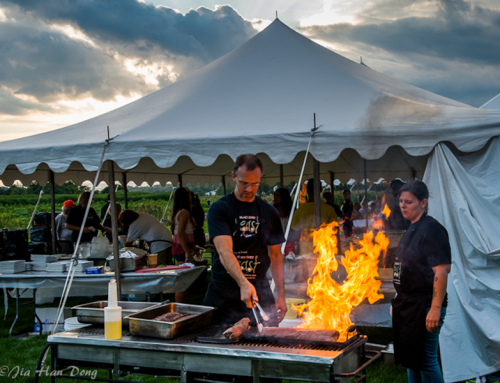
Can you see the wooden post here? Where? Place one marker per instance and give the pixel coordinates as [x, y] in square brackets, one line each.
[224, 184]
[281, 177]
[53, 211]
[125, 193]
[114, 228]
[366, 194]
[317, 191]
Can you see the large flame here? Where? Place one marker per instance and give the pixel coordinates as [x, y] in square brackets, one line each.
[331, 303]
[386, 211]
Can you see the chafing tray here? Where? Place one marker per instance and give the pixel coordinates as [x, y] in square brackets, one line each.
[93, 313]
[142, 323]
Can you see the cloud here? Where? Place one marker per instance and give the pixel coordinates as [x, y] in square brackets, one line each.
[66, 50]
[453, 42]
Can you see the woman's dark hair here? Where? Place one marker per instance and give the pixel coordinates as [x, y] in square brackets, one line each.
[286, 201]
[195, 200]
[127, 217]
[417, 188]
[181, 201]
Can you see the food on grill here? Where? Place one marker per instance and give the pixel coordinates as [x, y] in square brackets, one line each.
[172, 317]
[237, 331]
[301, 334]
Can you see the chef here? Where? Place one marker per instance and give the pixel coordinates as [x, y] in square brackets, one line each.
[247, 235]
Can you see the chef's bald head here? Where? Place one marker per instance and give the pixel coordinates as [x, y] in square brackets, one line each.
[250, 161]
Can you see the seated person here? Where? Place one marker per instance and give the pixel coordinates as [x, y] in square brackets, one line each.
[304, 220]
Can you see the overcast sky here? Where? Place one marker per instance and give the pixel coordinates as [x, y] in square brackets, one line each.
[64, 61]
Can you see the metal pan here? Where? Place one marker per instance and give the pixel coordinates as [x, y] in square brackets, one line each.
[93, 313]
[142, 323]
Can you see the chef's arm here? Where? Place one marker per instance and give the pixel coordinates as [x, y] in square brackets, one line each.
[224, 246]
[278, 272]
[438, 293]
[105, 229]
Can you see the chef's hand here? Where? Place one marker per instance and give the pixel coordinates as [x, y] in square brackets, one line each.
[281, 308]
[432, 320]
[248, 294]
[86, 230]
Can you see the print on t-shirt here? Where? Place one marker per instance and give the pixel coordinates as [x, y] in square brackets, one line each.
[397, 273]
[248, 264]
[249, 226]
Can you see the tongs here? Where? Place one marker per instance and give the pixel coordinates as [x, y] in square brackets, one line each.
[260, 326]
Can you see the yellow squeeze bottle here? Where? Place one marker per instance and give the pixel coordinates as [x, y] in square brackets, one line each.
[112, 315]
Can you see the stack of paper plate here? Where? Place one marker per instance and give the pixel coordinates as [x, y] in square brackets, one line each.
[39, 266]
[43, 258]
[12, 267]
[82, 265]
[28, 266]
[56, 267]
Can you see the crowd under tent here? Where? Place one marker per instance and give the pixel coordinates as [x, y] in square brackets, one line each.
[260, 98]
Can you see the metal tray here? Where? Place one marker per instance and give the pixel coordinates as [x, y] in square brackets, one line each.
[93, 313]
[129, 264]
[142, 323]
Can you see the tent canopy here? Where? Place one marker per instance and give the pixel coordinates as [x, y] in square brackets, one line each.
[494, 103]
[260, 98]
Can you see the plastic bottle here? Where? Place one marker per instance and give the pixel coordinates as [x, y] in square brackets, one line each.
[112, 314]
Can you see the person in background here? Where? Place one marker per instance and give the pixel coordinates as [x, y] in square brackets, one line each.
[92, 224]
[283, 203]
[64, 236]
[347, 209]
[183, 228]
[328, 196]
[304, 220]
[421, 266]
[199, 219]
[396, 221]
[122, 230]
[147, 228]
[106, 222]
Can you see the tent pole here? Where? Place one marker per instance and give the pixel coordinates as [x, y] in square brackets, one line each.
[223, 184]
[366, 194]
[179, 178]
[317, 198]
[413, 174]
[282, 185]
[53, 211]
[114, 228]
[125, 193]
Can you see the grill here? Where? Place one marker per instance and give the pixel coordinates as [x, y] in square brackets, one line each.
[192, 361]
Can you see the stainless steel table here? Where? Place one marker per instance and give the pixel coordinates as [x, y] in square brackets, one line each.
[86, 350]
[97, 284]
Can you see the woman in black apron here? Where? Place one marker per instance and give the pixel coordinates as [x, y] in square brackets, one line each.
[421, 267]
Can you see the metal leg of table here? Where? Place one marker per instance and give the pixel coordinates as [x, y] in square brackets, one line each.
[35, 314]
[256, 371]
[17, 312]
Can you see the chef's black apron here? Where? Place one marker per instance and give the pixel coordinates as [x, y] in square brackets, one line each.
[248, 250]
[409, 310]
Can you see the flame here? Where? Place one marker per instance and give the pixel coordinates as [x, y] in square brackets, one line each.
[331, 303]
[302, 194]
[386, 211]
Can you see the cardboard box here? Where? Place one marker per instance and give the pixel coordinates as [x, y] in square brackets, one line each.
[48, 316]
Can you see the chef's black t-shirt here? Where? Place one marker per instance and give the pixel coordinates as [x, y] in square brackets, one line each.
[75, 217]
[230, 216]
[425, 245]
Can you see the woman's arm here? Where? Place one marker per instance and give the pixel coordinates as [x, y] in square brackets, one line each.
[76, 228]
[181, 232]
[438, 293]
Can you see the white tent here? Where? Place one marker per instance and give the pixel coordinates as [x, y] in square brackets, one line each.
[260, 98]
[494, 103]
